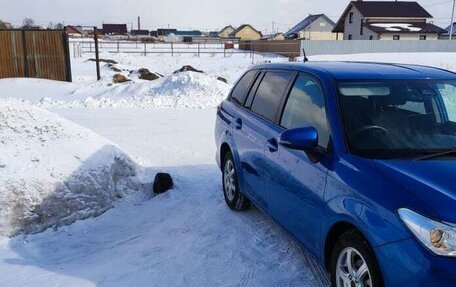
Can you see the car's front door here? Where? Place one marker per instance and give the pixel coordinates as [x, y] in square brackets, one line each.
[294, 184]
[252, 126]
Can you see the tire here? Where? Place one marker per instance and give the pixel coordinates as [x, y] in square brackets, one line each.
[353, 245]
[234, 198]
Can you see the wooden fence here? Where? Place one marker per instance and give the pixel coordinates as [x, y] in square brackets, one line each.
[35, 54]
[289, 48]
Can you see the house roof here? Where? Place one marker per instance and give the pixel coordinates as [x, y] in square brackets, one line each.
[447, 30]
[240, 28]
[404, 28]
[73, 29]
[306, 23]
[187, 33]
[115, 28]
[226, 27]
[383, 9]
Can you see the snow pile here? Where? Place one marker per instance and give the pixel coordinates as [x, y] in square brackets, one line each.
[54, 172]
[181, 90]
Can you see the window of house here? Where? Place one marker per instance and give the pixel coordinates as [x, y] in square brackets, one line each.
[371, 37]
[350, 17]
[422, 37]
[350, 36]
[269, 94]
[396, 37]
[361, 28]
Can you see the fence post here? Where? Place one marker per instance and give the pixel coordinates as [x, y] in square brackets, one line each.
[97, 55]
[224, 51]
[118, 44]
[145, 49]
[24, 45]
[66, 45]
[172, 50]
[253, 52]
[90, 47]
[198, 49]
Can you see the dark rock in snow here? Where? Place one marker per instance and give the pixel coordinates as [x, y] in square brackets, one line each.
[145, 74]
[222, 79]
[162, 183]
[118, 78]
[188, 68]
[114, 68]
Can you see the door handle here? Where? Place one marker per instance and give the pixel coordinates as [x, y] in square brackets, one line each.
[273, 146]
[238, 124]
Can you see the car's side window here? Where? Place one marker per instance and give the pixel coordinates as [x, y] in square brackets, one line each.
[242, 88]
[270, 92]
[305, 107]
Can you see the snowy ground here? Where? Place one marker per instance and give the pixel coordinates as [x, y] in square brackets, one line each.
[187, 237]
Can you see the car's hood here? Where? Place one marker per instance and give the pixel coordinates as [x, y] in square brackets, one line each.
[434, 182]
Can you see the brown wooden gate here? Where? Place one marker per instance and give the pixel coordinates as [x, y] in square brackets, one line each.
[35, 54]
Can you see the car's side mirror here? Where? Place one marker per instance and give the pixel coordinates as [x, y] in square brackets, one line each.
[299, 138]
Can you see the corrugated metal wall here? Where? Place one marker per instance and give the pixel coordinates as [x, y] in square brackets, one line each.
[365, 46]
[289, 48]
[35, 53]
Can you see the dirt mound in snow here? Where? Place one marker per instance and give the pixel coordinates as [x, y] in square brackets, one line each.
[54, 172]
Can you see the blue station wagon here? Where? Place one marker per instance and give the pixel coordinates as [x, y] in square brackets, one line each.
[355, 160]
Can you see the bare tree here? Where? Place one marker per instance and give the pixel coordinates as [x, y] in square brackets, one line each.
[3, 25]
[28, 23]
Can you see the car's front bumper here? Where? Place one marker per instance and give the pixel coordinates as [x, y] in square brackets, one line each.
[408, 264]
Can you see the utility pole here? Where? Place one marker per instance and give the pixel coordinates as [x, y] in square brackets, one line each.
[272, 31]
[452, 20]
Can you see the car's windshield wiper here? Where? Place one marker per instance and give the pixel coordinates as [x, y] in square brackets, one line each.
[451, 152]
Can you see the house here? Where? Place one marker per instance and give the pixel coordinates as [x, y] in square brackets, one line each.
[115, 29]
[246, 32]
[194, 33]
[274, 37]
[386, 20]
[225, 32]
[446, 34]
[141, 33]
[74, 31]
[214, 34]
[314, 27]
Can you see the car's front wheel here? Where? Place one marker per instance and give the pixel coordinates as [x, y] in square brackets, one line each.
[353, 263]
[231, 191]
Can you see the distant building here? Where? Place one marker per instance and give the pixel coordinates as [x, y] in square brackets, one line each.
[193, 33]
[446, 34]
[225, 32]
[142, 33]
[314, 27]
[274, 37]
[214, 34]
[74, 31]
[115, 29]
[382, 20]
[246, 32]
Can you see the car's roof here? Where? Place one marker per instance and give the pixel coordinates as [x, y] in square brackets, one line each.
[364, 70]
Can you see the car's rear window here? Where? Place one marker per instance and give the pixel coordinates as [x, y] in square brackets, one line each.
[270, 93]
[240, 91]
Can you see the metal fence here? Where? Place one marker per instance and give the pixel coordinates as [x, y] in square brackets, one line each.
[365, 46]
[35, 54]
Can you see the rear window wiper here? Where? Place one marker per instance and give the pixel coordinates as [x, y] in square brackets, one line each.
[437, 154]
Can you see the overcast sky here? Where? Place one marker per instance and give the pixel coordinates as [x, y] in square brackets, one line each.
[186, 14]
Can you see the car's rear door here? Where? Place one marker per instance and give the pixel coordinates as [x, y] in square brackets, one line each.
[294, 184]
[251, 129]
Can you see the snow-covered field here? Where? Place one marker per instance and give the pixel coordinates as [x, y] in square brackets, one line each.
[186, 237]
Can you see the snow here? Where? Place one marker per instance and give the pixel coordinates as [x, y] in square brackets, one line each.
[54, 172]
[186, 237]
[395, 27]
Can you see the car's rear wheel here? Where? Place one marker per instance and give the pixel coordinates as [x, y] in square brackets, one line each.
[231, 191]
[353, 263]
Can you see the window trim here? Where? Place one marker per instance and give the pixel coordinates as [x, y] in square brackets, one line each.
[423, 37]
[327, 149]
[350, 18]
[361, 29]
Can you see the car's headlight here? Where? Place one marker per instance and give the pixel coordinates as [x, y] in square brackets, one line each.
[438, 237]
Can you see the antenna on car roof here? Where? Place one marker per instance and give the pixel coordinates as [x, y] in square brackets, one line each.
[305, 57]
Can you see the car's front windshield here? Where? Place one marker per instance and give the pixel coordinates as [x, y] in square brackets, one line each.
[398, 118]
